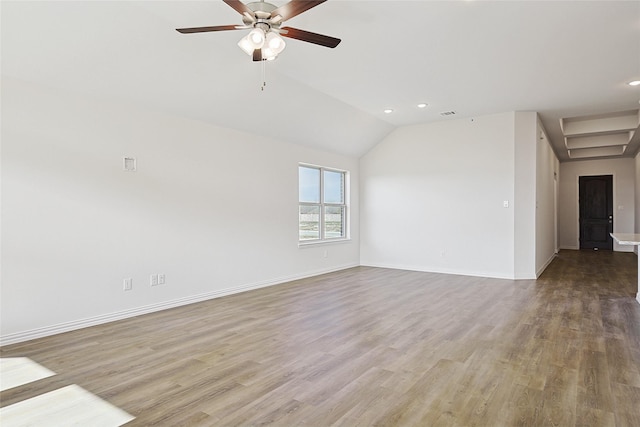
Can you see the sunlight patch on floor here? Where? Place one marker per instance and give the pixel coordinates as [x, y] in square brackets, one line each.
[16, 371]
[67, 406]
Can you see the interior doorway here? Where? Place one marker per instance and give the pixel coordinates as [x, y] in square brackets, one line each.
[596, 212]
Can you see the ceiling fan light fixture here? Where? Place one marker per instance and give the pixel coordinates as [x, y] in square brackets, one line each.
[264, 43]
[275, 42]
[268, 54]
[256, 38]
[246, 45]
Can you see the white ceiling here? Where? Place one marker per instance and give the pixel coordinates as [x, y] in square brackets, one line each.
[562, 59]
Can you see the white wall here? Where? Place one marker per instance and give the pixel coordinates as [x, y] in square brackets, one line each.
[213, 209]
[637, 227]
[525, 140]
[547, 170]
[432, 198]
[624, 188]
[216, 209]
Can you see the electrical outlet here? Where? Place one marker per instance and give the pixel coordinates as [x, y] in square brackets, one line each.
[154, 280]
[161, 279]
[128, 284]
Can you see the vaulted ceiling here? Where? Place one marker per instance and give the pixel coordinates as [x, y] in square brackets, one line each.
[570, 61]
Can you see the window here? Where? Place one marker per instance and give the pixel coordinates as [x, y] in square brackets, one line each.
[323, 208]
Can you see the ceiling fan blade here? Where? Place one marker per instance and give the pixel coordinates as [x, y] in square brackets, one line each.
[257, 55]
[240, 7]
[207, 29]
[295, 7]
[308, 36]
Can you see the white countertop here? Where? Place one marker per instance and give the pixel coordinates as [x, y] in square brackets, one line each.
[626, 238]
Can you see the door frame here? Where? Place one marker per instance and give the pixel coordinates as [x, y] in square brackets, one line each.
[577, 204]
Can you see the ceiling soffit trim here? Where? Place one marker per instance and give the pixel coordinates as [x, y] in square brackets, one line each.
[603, 135]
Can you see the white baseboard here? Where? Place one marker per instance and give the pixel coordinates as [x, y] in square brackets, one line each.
[106, 318]
[429, 269]
[623, 248]
[546, 264]
[616, 248]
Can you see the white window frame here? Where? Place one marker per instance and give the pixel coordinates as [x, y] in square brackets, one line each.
[323, 204]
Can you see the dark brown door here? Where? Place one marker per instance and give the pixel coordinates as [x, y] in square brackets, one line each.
[596, 212]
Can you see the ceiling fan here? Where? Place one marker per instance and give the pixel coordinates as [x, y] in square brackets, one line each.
[264, 41]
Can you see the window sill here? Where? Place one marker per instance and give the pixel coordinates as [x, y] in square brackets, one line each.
[323, 242]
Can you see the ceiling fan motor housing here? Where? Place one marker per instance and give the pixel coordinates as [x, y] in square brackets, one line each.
[261, 12]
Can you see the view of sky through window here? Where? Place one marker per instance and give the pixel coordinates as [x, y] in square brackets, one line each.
[309, 185]
[333, 187]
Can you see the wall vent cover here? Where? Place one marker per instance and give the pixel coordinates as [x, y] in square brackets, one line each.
[129, 164]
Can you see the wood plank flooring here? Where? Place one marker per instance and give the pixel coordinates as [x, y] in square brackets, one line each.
[370, 346]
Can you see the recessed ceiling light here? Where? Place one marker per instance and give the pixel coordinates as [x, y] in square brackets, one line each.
[388, 111]
[423, 105]
[634, 83]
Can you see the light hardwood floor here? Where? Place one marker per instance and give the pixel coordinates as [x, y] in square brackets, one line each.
[370, 346]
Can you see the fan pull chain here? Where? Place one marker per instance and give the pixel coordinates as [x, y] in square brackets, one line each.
[264, 74]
